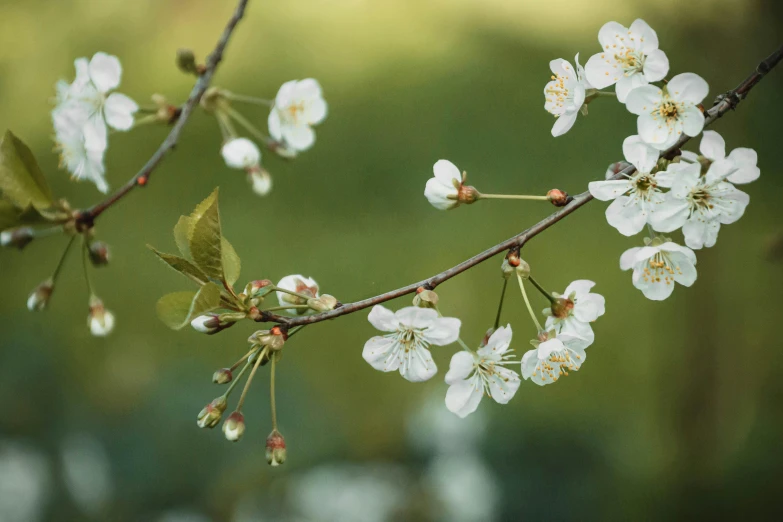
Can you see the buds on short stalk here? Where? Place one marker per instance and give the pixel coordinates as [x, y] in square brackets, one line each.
[557, 197]
[275, 449]
[274, 339]
[323, 303]
[210, 324]
[425, 298]
[99, 253]
[99, 320]
[39, 297]
[259, 287]
[260, 180]
[186, 62]
[234, 427]
[18, 237]
[210, 416]
[222, 376]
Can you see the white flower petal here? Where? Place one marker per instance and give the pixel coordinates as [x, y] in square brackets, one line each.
[415, 317]
[462, 398]
[608, 190]
[688, 87]
[119, 111]
[299, 137]
[442, 331]
[461, 366]
[275, 126]
[105, 72]
[712, 146]
[563, 123]
[417, 365]
[381, 354]
[503, 385]
[649, 38]
[642, 100]
[628, 83]
[383, 319]
[626, 216]
[656, 66]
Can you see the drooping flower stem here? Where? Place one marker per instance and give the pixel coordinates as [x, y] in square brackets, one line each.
[259, 358]
[242, 98]
[60, 263]
[500, 304]
[527, 303]
[272, 404]
[238, 378]
[542, 290]
[512, 196]
[246, 124]
[85, 262]
[243, 359]
[286, 307]
[225, 120]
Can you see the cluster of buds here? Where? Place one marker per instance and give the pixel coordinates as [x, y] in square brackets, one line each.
[425, 298]
[17, 237]
[210, 416]
[515, 265]
[273, 339]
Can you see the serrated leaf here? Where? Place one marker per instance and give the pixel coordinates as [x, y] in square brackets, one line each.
[232, 265]
[206, 245]
[21, 179]
[182, 235]
[178, 309]
[183, 266]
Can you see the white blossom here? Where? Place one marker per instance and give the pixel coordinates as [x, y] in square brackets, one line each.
[299, 105]
[411, 331]
[666, 113]
[552, 357]
[79, 155]
[636, 197]
[472, 374]
[261, 181]
[241, 153]
[630, 58]
[698, 204]
[442, 190]
[299, 284]
[565, 94]
[580, 309]
[657, 266]
[738, 167]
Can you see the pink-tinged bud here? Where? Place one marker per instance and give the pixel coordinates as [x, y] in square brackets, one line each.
[558, 198]
[562, 307]
[222, 376]
[258, 284]
[99, 253]
[209, 417]
[18, 237]
[39, 297]
[274, 338]
[425, 298]
[275, 449]
[467, 194]
[207, 323]
[100, 321]
[234, 427]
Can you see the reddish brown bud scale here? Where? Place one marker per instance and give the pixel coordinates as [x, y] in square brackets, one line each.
[558, 198]
[562, 307]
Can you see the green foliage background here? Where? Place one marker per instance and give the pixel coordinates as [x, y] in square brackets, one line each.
[676, 414]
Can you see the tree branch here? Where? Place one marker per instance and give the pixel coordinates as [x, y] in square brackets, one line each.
[722, 105]
[88, 216]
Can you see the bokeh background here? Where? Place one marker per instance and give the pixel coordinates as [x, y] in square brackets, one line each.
[676, 415]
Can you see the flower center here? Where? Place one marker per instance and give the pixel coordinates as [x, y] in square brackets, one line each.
[556, 363]
[558, 94]
[294, 111]
[669, 110]
[409, 338]
[660, 269]
[630, 61]
[645, 185]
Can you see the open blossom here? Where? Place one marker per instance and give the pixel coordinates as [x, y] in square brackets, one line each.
[574, 312]
[241, 153]
[657, 266]
[630, 58]
[565, 94]
[471, 375]
[79, 155]
[698, 204]
[666, 113]
[299, 284]
[738, 167]
[446, 189]
[91, 93]
[637, 197]
[411, 331]
[299, 105]
[554, 356]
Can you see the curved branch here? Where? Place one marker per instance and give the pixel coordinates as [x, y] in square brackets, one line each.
[88, 216]
[723, 104]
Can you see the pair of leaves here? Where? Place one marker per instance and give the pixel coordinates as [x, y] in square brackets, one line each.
[26, 196]
[214, 260]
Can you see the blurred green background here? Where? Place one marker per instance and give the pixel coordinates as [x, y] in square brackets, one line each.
[676, 415]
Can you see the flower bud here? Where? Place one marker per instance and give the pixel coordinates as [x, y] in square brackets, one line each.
[260, 180]
[256, 288]
[558, 198]
[561, 307]
[241, 153]
[274, 338]
[425, 298]
[275, 449]
[17, 237]
[513, 265]
[234, 427]
[222, 376]
[186, 61]
[39, 297]
[467, 194]
[323, 303]
[211, 324]
[99, 320]
[210, 416]
[99, 253]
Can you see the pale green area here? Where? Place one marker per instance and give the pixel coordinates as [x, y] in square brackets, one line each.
[677, 411]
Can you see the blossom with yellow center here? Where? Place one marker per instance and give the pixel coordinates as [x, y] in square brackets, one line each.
[657, 266]
[565, 94]
[298, 106]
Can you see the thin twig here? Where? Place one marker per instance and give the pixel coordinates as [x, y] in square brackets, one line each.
[722, 105]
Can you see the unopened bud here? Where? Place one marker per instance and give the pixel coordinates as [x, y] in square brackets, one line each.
[557, 197]
[186, 61]
[274, 338]
[275, 449]
[211, 324]
[39, 297]
[425, 298]
[467, 194]
[513, 265]
[100, 321]
[234, 426]
[209, 417]
[17, 237]
[222, 376]
[260, 180]
[99, 253]
[323, 303]
[561, 307]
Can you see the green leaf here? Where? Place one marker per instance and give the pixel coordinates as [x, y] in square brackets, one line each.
[182, 235]
[232, 265]
[206, 246]
[21, 179]
[178, 309]
[183, 266]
